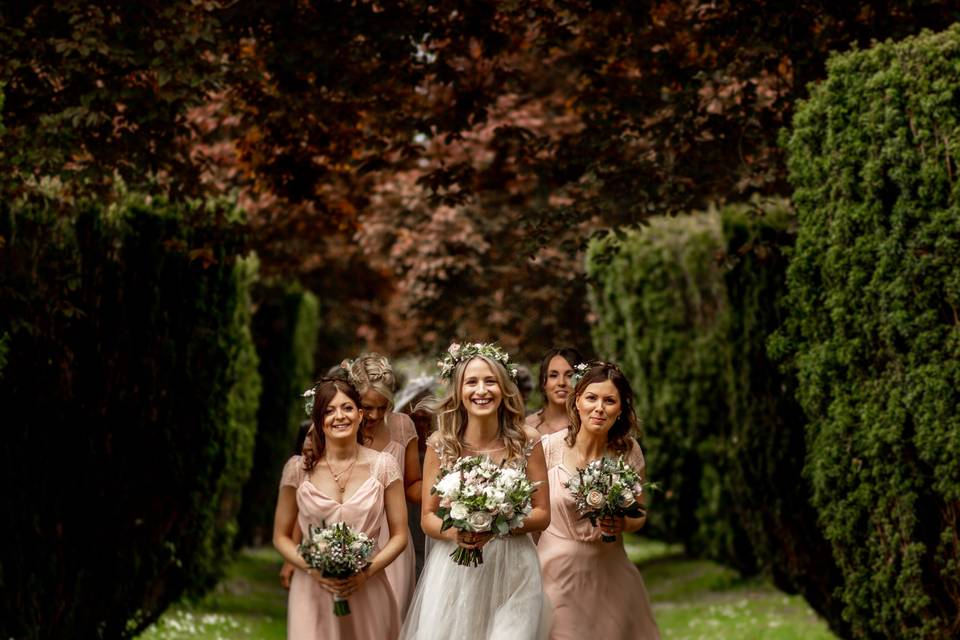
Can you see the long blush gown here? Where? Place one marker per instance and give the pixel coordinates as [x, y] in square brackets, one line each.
[595, 590]
[502, 599]
[374, 612]
[401, 573]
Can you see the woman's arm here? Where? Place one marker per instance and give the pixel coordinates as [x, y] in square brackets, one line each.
[412, 479]
[284, 521]
[286, 571]
[539, 517]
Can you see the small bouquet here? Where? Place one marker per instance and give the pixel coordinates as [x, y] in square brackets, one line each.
[478, 495]
[337, 551]
[607, 487]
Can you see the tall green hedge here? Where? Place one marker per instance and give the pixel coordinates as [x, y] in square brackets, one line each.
[659, 297]
[766, 445]
[285, 328]
[132, 378]
[874, 328]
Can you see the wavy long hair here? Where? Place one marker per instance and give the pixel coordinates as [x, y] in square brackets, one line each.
[325, 391]
[451, 416]
[627, 424]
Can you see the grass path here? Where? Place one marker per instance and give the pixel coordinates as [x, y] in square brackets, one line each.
[692, 600]
[699, 599]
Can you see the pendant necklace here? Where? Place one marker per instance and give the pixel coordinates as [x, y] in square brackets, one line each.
[336, 476]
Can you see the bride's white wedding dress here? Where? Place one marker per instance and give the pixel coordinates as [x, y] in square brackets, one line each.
[502, 599]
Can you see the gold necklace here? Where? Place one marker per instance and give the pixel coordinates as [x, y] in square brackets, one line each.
[336, 476]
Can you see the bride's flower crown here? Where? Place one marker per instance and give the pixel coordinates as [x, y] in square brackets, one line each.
[457, 353]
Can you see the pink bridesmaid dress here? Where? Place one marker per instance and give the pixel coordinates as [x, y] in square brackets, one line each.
[401, 573]
[595, 590]
[373, 607]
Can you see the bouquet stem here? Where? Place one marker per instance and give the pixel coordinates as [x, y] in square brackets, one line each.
[467, 557]
[607, 538]
[340, 606]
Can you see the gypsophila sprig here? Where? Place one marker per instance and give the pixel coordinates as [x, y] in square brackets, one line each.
[479, 495]
[457, 353]
[578, 372]
[308, 397]
[607, 487]
[337, 551]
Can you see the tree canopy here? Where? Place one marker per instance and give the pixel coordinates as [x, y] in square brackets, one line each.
[545, 119]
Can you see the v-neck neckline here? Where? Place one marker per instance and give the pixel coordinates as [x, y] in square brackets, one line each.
[345, 499]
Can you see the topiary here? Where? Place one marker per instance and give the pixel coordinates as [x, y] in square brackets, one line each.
[874, 327]
[285, 327]
[661, 314]
[766, 444]
[130, 388]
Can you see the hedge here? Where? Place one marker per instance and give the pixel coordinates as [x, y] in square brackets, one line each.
[132, 375]
[285, 329]
[874, 327]
[661, 314]
[766, 446]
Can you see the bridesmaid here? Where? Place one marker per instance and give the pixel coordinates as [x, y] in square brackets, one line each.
[595, 590]
[395, 434]
[338, 480]
[556, 372]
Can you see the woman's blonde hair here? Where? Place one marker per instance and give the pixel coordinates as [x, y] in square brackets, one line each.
[451, 415]
[372, 372]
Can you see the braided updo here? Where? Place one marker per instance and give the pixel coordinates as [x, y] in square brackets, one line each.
[372, 372]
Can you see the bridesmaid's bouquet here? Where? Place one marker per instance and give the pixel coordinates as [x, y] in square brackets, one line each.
[480, 496]
[607, 487]
[339, 552]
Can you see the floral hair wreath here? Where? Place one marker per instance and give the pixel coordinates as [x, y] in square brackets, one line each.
[310, 395]
[581, 370]
[578, 372]
[457, 353]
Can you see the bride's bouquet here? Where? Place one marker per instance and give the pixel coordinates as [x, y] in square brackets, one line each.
[339, 552]
[607, 487]
[480, 496]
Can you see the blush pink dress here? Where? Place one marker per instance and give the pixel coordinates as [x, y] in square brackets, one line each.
[401, 573]
[595, 590]
[374, 612]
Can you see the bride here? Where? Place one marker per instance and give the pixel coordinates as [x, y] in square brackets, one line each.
[503, 597]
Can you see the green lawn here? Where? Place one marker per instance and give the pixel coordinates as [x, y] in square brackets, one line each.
[692, 599]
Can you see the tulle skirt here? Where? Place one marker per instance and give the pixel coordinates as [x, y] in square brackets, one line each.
[502, 599]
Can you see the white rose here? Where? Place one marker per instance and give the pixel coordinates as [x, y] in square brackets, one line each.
[480, 521]
[509, 475]
[459, 511]
[595, 499]
[507, 510]
[493, 494]
[626, 498]
[448, 484]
